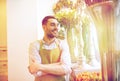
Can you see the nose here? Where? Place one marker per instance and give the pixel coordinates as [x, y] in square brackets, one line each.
[57, 27]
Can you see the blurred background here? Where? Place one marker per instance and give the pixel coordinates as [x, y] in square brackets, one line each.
[20, 24]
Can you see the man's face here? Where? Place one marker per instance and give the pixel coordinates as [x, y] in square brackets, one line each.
[51, 28]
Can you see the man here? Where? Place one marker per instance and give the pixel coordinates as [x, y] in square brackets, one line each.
[49, 57]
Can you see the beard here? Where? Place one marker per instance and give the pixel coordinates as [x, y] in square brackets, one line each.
[53, 33]
[51, 36]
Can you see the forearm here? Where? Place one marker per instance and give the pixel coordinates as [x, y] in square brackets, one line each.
[56, 69]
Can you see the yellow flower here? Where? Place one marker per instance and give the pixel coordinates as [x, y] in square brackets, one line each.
[67, 17]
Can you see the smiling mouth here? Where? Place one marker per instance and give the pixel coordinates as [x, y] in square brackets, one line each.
[55, 31]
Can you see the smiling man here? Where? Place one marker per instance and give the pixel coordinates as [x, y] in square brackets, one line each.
[50, 57]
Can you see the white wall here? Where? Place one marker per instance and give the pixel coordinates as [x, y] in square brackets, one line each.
[21, 30]
[23, 25]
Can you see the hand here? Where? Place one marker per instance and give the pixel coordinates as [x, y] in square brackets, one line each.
[33, 68]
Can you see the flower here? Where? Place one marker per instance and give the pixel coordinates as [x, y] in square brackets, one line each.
[68, 17]
[89, 76]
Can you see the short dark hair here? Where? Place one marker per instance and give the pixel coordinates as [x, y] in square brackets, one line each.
[45, 19]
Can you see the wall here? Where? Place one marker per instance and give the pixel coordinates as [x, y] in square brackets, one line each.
[3, 36]
[23, 26]
[21, 30]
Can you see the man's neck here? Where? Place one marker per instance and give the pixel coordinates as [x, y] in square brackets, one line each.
[48, 40]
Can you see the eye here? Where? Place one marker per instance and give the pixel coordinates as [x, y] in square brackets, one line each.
[55, 24]
[58, 25]
[52, 24]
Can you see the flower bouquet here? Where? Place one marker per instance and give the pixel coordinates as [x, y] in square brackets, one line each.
[89, 76]
[67, 17]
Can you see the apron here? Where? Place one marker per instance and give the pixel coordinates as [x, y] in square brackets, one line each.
[48, 57]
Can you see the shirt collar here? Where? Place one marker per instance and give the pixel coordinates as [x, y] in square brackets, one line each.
[51, 43]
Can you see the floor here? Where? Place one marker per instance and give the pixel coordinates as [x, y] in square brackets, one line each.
[3, 66]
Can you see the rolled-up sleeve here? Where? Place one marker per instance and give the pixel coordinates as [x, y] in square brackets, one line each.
[34, 52]
[34, 55]
[65, 57]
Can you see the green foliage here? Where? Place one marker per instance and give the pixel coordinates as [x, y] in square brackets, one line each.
[67, 17]
[70, 13]
[62, 4]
